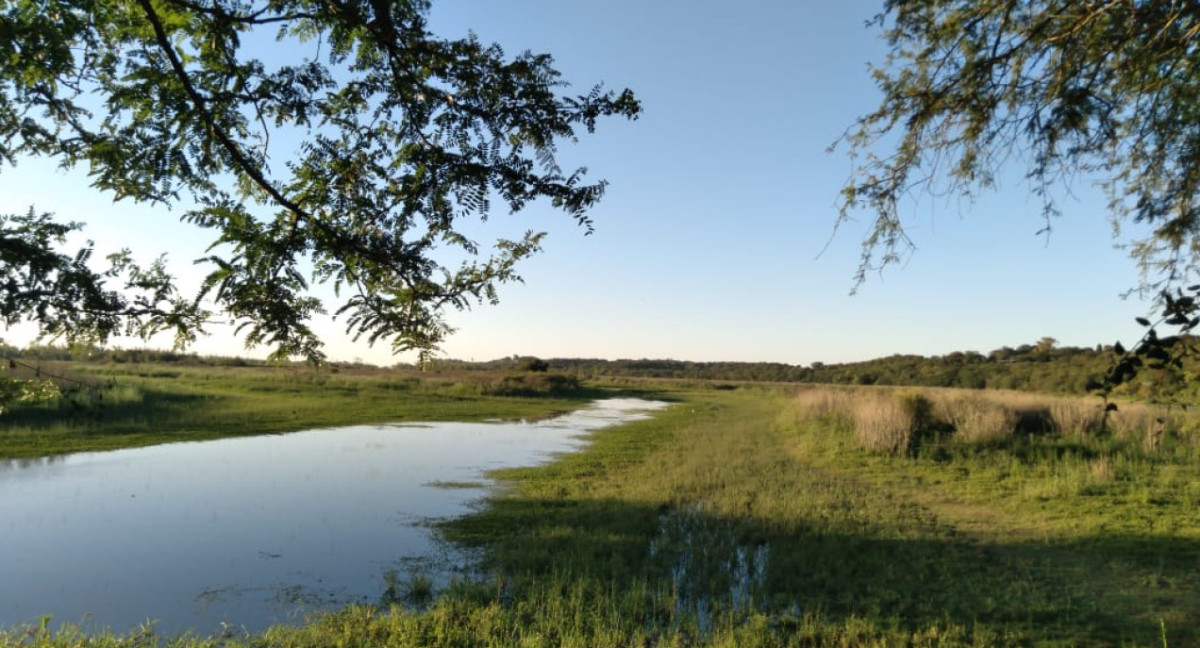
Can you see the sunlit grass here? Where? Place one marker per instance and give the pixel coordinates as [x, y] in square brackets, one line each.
[754, 517]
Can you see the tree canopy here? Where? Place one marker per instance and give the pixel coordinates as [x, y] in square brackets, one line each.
[1106, 89]
[1100, 89]
[315, 141]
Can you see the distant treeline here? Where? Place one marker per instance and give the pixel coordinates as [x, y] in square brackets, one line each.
[53, 353]
[1041, 367]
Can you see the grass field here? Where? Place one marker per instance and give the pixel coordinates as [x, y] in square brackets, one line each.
[768, 517]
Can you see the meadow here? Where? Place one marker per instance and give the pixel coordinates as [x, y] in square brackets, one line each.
[815, 516]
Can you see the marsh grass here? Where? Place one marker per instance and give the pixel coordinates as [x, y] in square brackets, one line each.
[893, 421]
[883, 423]
[824, 403]
[978, 420]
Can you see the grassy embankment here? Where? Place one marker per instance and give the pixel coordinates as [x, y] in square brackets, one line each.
[108, 406]
[831, 518]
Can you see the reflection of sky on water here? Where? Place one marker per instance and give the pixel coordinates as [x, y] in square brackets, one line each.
[249, 531]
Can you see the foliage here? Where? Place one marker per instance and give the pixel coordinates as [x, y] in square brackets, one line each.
[533, 384]
[1104, 90]
[14, 391]
[354, 144]
[1162, 354]
[69, 299]
[532, 364]
[1059, 369]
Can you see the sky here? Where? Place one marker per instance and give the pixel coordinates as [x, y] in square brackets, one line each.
[716, 239]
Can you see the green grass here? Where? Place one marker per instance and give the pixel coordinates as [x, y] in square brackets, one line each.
[123, 405]
[735, 518]
[733, 511]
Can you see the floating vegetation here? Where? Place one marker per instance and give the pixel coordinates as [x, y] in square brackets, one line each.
[455, 485]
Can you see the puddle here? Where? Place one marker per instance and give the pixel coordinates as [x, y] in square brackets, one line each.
[711, 571]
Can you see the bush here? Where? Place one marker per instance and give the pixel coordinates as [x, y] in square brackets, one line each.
[533, 364]
[533, 385]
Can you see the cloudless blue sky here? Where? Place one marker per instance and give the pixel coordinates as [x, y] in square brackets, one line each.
[716, 238]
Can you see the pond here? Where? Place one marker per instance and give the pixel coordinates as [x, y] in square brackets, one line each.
[254, 531]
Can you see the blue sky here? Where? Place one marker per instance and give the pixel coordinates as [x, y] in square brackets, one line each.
[716, 239]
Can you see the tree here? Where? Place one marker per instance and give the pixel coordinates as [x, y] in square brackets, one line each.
[1106, 89]
[354, 163]
[1045, 345]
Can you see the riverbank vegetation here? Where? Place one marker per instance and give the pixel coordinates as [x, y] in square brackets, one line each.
[108, 405]
[769, 517]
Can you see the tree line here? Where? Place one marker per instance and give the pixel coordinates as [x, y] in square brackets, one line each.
[1039, 367]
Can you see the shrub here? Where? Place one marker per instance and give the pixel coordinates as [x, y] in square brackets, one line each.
[530, 384]
[533, 364]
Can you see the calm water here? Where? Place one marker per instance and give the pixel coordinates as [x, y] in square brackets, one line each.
[251, 531]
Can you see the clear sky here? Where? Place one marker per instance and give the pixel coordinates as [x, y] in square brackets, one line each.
[716, 238]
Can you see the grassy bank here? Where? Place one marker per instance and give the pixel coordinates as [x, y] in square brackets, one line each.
[751, 517]
[108, 406]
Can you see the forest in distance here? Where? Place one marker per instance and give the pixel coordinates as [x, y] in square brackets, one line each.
[1040, 367]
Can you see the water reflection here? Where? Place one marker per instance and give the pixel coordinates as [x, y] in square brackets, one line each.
[252, 531]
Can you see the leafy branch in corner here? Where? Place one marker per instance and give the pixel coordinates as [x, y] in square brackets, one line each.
[311, 142]
[1181, 311]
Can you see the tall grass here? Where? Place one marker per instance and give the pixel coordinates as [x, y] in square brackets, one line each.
[891, 420]
[977, 419]
[887, 422]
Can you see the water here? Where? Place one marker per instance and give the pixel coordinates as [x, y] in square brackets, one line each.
[254, 531]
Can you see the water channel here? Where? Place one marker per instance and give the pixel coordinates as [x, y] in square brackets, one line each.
[253, 531]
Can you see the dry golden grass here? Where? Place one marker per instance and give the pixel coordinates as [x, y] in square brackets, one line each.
[883, 422]
[887, 419]
[977, 419]
[824, 403]
[1144, 424]
[1077, 418]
